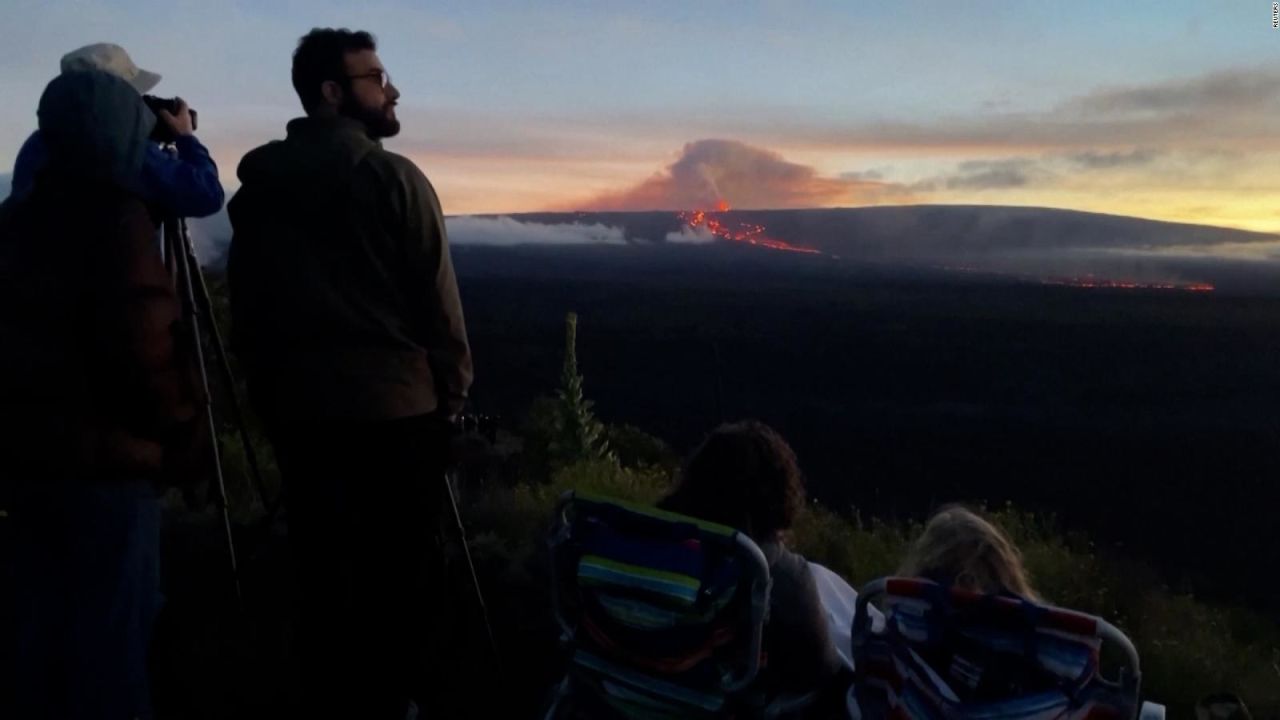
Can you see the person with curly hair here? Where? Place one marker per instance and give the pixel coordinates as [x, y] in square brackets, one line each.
[745, 475]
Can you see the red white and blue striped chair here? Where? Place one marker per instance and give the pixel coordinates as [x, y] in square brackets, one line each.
[947, 653]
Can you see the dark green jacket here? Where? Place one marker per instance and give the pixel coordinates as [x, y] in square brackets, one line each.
[343, 297]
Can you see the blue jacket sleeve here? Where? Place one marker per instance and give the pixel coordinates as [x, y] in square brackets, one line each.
[185, 184]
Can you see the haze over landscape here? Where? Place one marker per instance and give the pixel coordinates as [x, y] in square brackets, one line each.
[1159, 110]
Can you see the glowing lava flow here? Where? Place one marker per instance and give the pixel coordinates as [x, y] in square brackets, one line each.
[1089, 281]
[742, 232]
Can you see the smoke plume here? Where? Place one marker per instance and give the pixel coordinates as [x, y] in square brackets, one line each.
[744, 176]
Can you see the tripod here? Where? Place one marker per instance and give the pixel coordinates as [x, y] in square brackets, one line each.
[184, 269]
[450, 481]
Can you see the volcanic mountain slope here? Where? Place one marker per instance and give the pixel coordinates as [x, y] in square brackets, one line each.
[928, 231]
[992, 238]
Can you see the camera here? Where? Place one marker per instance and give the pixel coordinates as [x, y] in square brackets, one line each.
[477, 424]
[162, 133]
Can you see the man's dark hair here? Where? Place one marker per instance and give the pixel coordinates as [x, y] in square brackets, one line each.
[743, 475]
[321, 56]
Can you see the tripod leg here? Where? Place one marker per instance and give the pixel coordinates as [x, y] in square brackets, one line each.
[220, 354]
[174, 234]
[475, 579]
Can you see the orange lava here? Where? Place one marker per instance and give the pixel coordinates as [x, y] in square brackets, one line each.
[1086, 281]
[741, 232]
[1089, 281]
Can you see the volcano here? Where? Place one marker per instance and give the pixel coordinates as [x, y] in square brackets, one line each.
[1039, 245]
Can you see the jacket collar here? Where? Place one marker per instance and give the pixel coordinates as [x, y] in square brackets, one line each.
[335, 125]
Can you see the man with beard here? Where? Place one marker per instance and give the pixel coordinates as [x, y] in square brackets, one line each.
[349, 326]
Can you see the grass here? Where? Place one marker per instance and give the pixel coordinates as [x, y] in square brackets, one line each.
[1188, 648]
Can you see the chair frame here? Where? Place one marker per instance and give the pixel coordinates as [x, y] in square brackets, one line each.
[745, 548]
[1128, 683]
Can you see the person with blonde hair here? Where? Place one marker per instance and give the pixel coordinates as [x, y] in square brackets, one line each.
[959, 548]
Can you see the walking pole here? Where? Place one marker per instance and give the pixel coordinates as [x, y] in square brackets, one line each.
[174, 234]
[471, 568]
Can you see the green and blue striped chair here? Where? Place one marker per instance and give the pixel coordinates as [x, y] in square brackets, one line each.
[663, 614]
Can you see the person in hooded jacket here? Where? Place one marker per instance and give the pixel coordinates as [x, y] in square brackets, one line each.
[178, 179]
[348, 325]
[97, 399]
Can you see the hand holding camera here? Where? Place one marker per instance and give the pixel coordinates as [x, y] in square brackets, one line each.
[176, 118]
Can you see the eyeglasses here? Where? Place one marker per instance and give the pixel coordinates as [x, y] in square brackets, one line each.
[382, 76]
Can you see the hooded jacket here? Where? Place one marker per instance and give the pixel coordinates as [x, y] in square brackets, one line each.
[344, 302]
[183, 183]
[93, 383]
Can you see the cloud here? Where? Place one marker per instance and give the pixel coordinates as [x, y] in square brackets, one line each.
[1223, 91]
[691, 236]
[6, 182]
[988, 175]
[747, 177]
[984, 175]
[1228, 108]
[1093, 160]
[471, 230]
[1057, 169]
[1233, 108]
[862, 175]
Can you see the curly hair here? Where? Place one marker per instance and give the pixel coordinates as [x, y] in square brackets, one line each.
[743, 475]
[959, 547]
[321, 56]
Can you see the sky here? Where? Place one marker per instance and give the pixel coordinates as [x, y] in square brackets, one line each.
[1166, 110]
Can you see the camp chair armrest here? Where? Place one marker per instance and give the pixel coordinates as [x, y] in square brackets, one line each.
[1132, 679]
[559, 533]
[760, 589]
[1151, 711]
[789, 704]
[1111, 634]
[862, 622]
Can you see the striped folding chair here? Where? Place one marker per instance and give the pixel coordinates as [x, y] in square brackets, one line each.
[953, 654]
[663, 614]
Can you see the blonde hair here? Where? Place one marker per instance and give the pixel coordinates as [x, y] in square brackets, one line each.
[960, 548]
